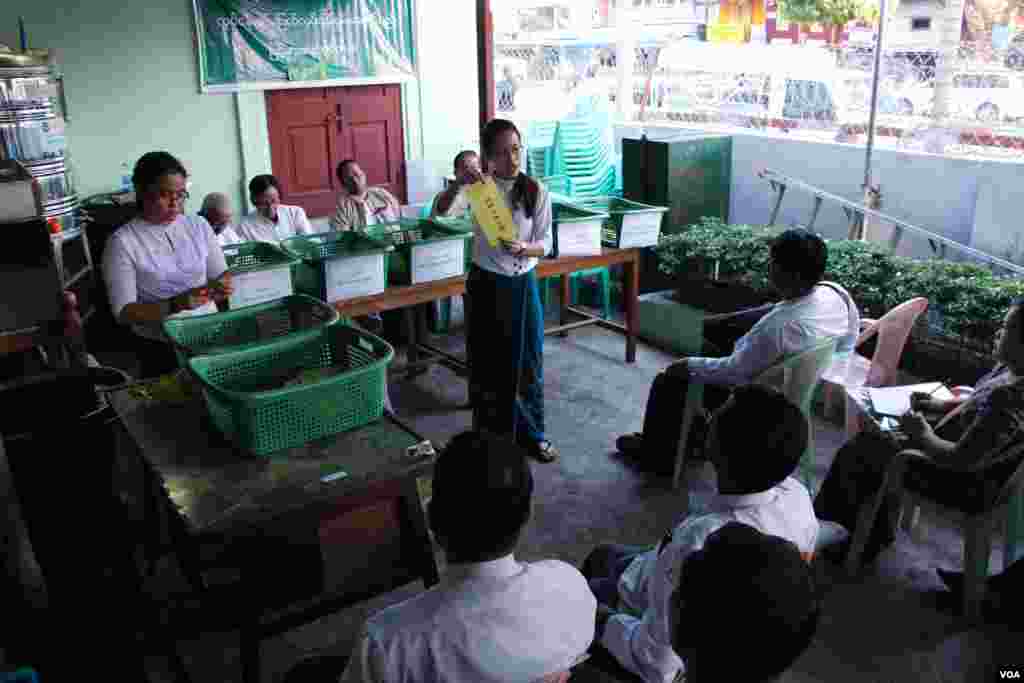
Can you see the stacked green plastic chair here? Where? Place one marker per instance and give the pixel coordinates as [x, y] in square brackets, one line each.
[583, 154]
[540, 148]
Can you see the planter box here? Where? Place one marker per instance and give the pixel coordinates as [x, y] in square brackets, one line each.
[674, 319]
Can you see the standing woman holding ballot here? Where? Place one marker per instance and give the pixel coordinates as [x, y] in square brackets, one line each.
[162, 263]
[506, 321]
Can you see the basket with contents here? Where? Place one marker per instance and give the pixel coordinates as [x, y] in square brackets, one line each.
[425, 250]
[208, 334]
[629, 224]
[335, 266]
[260, 272]
[288, 392]
[575, 230]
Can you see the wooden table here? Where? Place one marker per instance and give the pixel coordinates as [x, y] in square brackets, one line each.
[328, 525]
[409, 296]
[218, 488]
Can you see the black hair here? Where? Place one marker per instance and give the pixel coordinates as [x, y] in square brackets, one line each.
[761, 427]
[766, 587]
[525, 190]
[481, 496]
[341, 167]
[801, 253]
[261, 183]
[152, 166]
[462, 155]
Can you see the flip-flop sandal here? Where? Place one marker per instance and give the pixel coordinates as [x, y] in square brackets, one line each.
[543, 451]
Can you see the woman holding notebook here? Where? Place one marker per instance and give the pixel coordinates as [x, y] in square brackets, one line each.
[506, 320]
[966, 454]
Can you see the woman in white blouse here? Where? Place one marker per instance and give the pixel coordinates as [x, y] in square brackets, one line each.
[506, 319]
[271, 221]
[162, 263]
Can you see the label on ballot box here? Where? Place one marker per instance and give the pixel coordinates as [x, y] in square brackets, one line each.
[491, 212]
[355, 276]
[581, 238]
[438, 260]
[260, 286]
[640, 229]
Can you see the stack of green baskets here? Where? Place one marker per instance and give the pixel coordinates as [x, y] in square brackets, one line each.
[253, 398]
[641, 223]
[210, 334]
[406, 234]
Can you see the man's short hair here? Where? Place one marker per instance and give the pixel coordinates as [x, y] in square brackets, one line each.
[481, 496]
[462, 156]
[744, 587]
[340, 171]
[801, 253]
[763, 433]
[261, 183]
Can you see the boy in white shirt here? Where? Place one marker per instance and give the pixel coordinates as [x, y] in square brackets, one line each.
[755, 442]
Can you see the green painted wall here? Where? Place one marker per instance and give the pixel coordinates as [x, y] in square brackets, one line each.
[132, 87]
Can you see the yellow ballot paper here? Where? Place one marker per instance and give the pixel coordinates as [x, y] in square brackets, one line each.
[491, 212]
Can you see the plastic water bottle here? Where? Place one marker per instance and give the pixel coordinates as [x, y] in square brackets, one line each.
[126, 177]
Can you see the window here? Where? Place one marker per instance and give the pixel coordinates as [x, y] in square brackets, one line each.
[921, 24]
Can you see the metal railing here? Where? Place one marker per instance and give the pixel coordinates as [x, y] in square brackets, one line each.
[857, 212]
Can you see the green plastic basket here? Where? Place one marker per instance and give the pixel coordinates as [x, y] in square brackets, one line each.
[245, 393]
[247, 258]
[407, 235]
[203, 335]
[317, 252]
[642, 221]
[572, 214]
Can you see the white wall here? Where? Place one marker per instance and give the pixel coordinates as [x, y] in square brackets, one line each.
[932, 192]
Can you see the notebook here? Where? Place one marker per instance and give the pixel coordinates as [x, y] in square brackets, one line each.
[895, 401]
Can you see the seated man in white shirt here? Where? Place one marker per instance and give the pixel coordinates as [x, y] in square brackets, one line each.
[453, 202]
[810, 312]
[359, 205]
[743, 589]
[492, 618]
[271, 221]
[755, 441]
[217, 212]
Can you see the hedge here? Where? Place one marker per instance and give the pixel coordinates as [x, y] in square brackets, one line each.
[971, 299]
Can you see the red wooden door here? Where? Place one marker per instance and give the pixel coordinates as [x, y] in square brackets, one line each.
[303, 127]
[313, 129]
[372, 134]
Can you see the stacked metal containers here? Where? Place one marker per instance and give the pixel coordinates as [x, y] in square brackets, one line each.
[32, 132]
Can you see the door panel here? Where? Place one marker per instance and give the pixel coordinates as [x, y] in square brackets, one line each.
[372, 134]
[303, 127]
[313, 129]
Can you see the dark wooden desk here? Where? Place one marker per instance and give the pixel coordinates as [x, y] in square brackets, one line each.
[219, 488]
[405, 297]
[330, 541]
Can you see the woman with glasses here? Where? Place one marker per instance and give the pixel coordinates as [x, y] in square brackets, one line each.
[162, 263]
[271, 221]
[968, 453]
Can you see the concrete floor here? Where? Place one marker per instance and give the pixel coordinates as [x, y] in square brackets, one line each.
[888, 625]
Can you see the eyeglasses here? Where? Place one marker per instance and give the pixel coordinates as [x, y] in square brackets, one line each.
[171, 195]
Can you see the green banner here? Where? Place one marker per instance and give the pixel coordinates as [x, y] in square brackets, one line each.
[249, 44]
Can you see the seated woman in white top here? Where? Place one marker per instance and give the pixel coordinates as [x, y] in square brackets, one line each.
[162, 263]
[272, 221]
